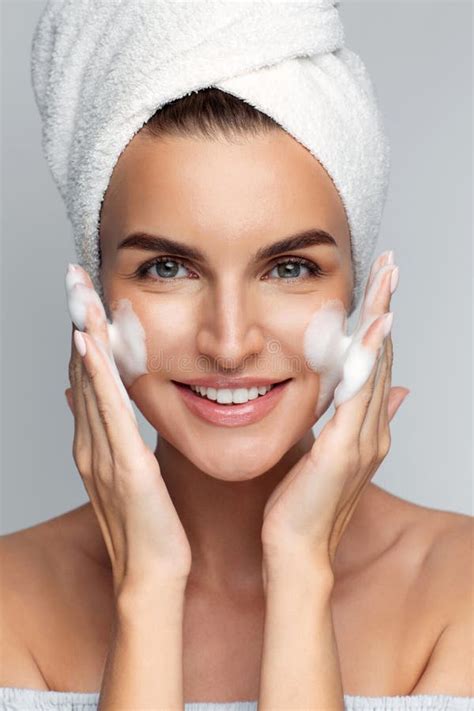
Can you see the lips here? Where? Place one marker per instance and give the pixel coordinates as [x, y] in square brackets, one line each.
[232, 415]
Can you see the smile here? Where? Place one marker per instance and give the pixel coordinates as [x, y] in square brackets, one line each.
[231, 407]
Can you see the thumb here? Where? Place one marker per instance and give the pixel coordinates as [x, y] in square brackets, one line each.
[68, 394]
[396, 397]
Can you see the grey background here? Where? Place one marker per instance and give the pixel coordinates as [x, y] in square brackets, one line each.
[419, 55]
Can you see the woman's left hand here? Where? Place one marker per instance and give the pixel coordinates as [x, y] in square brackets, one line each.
[311, 507]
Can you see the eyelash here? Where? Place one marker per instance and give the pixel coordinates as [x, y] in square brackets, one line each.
[142, 272]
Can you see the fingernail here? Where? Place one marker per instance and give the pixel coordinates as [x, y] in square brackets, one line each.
[390, 257]
[80, 343]
[394, 279]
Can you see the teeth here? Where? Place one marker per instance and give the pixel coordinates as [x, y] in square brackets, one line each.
[225, 396]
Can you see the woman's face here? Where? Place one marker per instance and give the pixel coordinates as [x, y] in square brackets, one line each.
[229, 311]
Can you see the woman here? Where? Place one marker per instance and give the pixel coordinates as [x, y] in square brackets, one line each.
[238, 560]
[226, 308]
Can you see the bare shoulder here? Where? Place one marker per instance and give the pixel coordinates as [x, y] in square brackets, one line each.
[445, 540]
[56, 604]
[446, 584]
[449, 560]
[434, 536]
[431, 550]
[441, 545]
[435, 556]
[20, 563]
[37, 565]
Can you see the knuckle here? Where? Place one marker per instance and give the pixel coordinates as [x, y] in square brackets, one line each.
[92, 373]
[104, 414]
[74, 371]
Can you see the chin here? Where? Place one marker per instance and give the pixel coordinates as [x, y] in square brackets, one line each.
[241, 466]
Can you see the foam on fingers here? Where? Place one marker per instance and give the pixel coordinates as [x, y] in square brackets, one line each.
[344, 362]
[126, 336]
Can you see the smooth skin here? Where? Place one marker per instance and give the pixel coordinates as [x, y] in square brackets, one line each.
[229, 199]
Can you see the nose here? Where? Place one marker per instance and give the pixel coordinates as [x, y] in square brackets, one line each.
[229, 331]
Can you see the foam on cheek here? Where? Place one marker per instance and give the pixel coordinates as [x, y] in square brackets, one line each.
[128, 342]
[343, 363]
[126, 353]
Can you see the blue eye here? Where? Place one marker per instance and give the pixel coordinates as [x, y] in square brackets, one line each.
[167, 269]
[289, 269]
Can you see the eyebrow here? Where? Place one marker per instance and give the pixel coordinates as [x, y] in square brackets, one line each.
[159, 243]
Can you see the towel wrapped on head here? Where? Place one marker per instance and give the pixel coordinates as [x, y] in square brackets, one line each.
[101, 68]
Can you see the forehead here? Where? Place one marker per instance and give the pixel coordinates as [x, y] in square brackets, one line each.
[251, 185]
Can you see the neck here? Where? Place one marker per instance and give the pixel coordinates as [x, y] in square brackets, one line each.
[223, 519]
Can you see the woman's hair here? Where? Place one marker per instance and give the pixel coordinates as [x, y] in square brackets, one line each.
[208, 113]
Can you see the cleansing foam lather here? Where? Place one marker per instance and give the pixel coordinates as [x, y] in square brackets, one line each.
[127, 351]
[343, 362]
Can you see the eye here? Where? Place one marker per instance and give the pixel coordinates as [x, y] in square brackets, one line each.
[290, 269]
[167, 269]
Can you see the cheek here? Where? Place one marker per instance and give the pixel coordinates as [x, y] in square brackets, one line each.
[169, 327]
[283, 323]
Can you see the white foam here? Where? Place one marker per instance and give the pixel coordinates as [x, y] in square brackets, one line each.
[128, 341]
[343, 362]
[126, 351]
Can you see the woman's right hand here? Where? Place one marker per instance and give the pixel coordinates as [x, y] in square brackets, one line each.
[142, 531]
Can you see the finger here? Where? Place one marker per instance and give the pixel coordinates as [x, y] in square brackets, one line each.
[81, 289]
[384, 261]
[118, 421]
[82, 433]
[370, 430]
[96, 318]
[378, 297]
[383, 430]
[352, 410]
[82, 443]
[99, 442]
[86, 306]
[350, 413]
[392, 396]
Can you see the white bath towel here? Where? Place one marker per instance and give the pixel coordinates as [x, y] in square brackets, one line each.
[101, 68]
